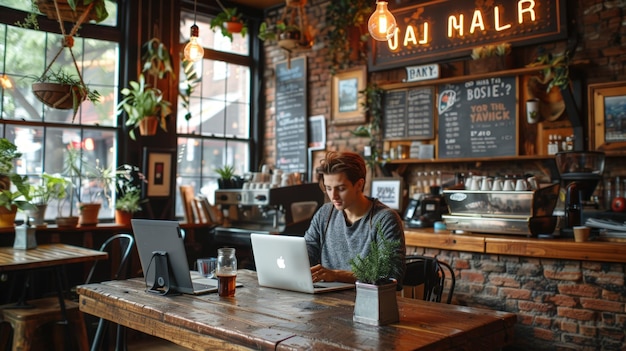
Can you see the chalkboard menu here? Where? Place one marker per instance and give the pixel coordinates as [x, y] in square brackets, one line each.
[291, 120]
[408, 114]
[478, 118]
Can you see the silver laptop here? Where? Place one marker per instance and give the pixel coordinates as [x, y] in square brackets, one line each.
[282, 262]
[160, 236]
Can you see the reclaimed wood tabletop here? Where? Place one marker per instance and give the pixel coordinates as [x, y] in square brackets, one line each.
[271, 319]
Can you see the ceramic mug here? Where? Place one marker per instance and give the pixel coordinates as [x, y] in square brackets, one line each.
[521, 185]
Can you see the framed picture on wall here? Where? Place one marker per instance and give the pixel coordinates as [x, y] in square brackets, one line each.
[347, 103]
[607, 117]
[158, 169]
[388, 190]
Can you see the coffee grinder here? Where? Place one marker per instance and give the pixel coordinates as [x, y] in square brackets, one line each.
[580, 172]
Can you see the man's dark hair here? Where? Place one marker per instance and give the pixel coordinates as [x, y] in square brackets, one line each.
[349, 163]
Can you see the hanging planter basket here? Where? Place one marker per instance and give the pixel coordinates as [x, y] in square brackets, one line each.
[56, 95]
[233, 27]
[66, 12]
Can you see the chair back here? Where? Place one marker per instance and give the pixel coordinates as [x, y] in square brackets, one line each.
[125, 244]
[432, 273]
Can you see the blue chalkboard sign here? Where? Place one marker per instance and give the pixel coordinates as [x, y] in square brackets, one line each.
[478, 118]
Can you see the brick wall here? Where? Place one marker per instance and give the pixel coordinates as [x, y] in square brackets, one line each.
[560, 304]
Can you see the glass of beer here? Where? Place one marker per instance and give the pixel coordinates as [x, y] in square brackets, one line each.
[226, 272]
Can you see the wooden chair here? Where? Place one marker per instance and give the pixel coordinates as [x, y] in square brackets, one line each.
[26, 322]
[431, 273]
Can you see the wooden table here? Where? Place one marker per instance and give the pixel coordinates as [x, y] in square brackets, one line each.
[45, 256]
[272, 319]
[48, 256]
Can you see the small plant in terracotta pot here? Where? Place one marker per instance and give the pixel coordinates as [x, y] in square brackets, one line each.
[128, 190]
[229, 21]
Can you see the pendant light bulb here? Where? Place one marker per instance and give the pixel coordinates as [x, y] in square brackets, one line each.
[193, 50]
[382, 25]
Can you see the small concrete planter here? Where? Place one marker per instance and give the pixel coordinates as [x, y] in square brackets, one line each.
[376, 304]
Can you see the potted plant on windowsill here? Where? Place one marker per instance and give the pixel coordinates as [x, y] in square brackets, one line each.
[229, 21]
[227, 177]
[51, 187]
[14, 188]
[376, 302]
[128, 193]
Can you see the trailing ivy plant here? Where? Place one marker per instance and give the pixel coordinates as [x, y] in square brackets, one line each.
[188, 86]
[341, 17]
[373, 106]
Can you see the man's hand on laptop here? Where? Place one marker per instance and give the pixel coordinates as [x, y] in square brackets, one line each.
[320, 273]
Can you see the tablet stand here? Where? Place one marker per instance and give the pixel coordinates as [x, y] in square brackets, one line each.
[163, 277]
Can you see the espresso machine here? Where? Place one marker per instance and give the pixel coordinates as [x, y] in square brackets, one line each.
[580, 173]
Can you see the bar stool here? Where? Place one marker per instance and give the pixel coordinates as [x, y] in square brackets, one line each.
[26, 322]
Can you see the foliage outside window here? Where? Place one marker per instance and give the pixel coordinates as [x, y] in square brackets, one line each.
[42, 133]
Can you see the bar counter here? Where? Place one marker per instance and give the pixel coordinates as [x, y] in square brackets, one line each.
[504, 244]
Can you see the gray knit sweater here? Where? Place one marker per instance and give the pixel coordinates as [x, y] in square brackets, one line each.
[336, 246]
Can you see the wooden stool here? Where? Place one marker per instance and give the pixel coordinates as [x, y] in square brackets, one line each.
[26, 322]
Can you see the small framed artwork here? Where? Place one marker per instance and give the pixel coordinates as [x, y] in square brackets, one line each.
[607, 119]
[317, 133]
[159, 169]
[346, 100]
[389, 191]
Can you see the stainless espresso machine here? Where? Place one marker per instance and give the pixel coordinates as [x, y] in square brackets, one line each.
[283, 210]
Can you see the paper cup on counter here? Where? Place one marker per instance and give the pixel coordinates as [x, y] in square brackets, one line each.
[581, 233]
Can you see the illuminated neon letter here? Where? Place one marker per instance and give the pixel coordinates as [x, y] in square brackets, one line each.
[425, 37]
[477, 21]
[393, 41]
[525, 6]
[454, 24]
[409, 36]
[496, 14]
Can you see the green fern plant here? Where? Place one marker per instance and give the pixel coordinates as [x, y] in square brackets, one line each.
[377, 266]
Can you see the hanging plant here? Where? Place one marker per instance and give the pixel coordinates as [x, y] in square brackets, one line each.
[188, 86]
[60, 90]
[347, 32]
[373, 106]
[229, 21]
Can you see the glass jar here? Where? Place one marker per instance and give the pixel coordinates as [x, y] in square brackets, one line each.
[226, 272]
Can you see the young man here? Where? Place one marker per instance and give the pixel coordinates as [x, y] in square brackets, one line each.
[346, 226]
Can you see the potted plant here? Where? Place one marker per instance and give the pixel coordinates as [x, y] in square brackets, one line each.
[490, 58]
[143, 102]
[69, 11]
[14, 188]
[60, 90]
[145, 108]
[376, 302]
[50, 187]
[227, 177]
[128, 193]
[229, 21]
[289, 36]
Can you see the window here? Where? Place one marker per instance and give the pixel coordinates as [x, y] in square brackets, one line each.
[214, 129]
[40, 132]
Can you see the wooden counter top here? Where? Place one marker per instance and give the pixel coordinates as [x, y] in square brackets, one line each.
[517, 245]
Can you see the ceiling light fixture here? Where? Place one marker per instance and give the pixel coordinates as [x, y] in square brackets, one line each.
[382, 25]
[193, 50]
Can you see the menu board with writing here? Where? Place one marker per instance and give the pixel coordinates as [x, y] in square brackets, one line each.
[478, 118]
[291, 121]
[408, 114]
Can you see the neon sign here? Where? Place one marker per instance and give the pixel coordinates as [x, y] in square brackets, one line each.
[445, 30]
